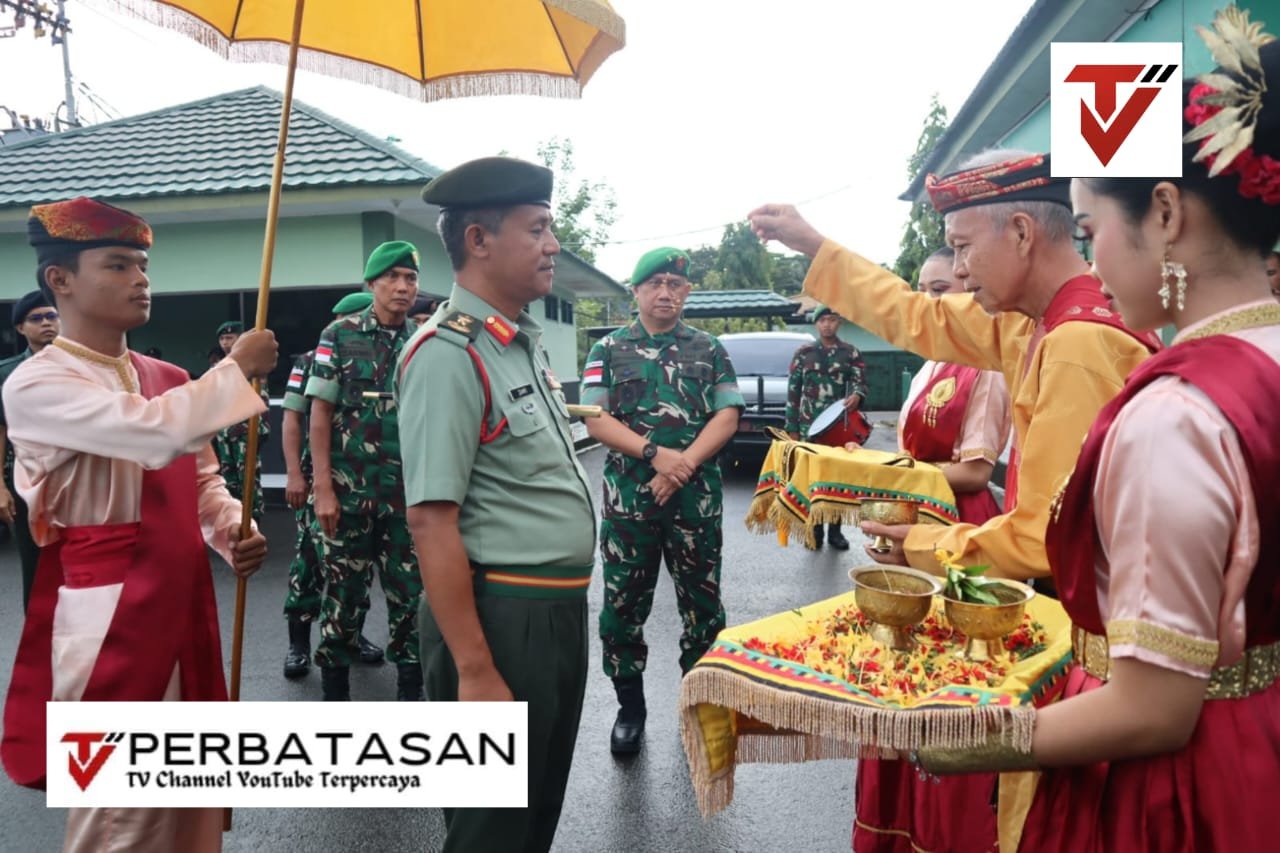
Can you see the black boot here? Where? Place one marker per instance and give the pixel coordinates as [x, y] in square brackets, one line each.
[836, 538]
[369, 653]
[817, 539]
[628, 728]
[409, 682]
[335, 682]
[298, 661]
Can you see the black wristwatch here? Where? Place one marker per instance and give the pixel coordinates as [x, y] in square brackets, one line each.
[650, 451]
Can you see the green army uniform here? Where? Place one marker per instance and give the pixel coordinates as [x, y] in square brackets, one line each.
[306, 579]
[356, 354]
[819, 376]
[665, 388]
[528, 525]
[231, 445]
[28, 550]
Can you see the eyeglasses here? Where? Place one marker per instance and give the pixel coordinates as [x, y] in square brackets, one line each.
[670, 282]
[33, 317]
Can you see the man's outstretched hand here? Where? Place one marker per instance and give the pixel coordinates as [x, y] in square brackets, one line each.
[782, 222]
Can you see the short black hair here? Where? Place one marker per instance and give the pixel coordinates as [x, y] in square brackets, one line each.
[1249, 222]
[70, 261]
[453, 225]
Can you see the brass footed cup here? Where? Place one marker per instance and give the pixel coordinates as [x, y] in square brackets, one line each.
[895, 600]
[986, 625]
[888, 511]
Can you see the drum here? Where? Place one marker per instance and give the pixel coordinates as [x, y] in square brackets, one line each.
[836, 426]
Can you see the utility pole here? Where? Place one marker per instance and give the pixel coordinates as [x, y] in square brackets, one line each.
[60, 33]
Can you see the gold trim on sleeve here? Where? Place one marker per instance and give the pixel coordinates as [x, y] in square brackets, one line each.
[1193, 651]
[1253, 673]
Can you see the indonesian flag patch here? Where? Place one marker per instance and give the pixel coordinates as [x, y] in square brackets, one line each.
[593, 373]
[295, 378]
[324, 353]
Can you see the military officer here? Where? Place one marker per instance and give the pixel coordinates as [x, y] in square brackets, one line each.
[36, 320]
[821, 373]
[672, 402]
[357, 492]
[499, 507]
[306, 581]
[232, 443]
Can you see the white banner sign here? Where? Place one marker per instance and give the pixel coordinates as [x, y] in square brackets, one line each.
[288, 754]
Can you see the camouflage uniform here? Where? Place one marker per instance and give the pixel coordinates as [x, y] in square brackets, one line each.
[819, 376]
[28, 551]
[232, 448]
[355, 355]
[665, 388]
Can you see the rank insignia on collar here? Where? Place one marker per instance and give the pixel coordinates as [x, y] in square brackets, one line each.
[461, 323]
[503, 331]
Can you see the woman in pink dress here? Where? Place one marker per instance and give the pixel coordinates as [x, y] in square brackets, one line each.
[1165, 543]
[957, 417]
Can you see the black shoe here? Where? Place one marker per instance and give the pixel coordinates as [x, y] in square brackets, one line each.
[409, 682]
[837, 540]
[298, 661]
[369, 653]
[335, 683]
[628, 728]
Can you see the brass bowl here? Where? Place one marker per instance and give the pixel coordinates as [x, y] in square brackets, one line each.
[985, 625]
[888, 511]
[895, 600]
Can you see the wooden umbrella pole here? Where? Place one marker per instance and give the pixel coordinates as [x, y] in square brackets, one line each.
[259, 323]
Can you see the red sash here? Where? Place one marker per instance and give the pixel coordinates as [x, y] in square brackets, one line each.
[167, 613]
[1243, 382]
[1079, 300]
[936, 441]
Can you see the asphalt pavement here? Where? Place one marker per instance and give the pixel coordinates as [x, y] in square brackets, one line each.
[641, 805]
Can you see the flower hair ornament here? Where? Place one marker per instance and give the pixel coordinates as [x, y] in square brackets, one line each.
[1224, 106]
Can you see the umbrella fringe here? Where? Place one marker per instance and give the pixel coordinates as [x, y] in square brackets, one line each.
[454, 86]
[595, 13]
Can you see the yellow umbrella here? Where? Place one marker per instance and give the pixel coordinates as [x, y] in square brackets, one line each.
[430, 49]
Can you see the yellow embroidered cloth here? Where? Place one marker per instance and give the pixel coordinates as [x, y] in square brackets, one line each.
[811, 684]
[803, 484]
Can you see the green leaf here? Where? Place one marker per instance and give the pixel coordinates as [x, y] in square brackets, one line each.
[975, 570]
[979, 595]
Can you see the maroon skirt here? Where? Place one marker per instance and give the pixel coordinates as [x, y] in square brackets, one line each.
[1217, 793]
[897, 812]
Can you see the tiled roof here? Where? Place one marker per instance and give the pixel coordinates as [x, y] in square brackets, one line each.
[222, 144]
[737, 303]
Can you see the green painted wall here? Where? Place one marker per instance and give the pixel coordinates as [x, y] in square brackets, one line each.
[1172, 20]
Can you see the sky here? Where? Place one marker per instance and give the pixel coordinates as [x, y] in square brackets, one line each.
[713, 108]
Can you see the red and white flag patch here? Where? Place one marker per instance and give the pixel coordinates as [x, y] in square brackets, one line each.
[593, 373]
[324, 354]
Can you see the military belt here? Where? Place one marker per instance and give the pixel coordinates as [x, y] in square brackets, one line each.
[543, 582]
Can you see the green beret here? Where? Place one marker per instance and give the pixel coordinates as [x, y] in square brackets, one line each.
[353, 302]
[491, 182]
[665, 259]
[396, 253]
[231, 327]
[819, 312]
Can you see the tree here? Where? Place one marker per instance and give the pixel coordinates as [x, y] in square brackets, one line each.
[584, 209]
[924, 233]
[743, 262]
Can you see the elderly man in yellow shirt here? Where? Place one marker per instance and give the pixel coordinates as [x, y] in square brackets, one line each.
[1032, 312]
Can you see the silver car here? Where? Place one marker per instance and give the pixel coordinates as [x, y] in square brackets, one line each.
[762, 361]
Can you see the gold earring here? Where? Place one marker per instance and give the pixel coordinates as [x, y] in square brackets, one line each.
[1175, 273]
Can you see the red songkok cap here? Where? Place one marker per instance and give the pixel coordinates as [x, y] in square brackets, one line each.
[84, 223]
[1012, 180]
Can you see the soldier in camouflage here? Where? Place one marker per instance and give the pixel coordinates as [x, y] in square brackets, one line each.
[306, 580]
[232, 443]
[822, 373]
[357, 489]
[671, 400]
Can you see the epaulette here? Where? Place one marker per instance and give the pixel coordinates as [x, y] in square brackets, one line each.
[461, 324]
